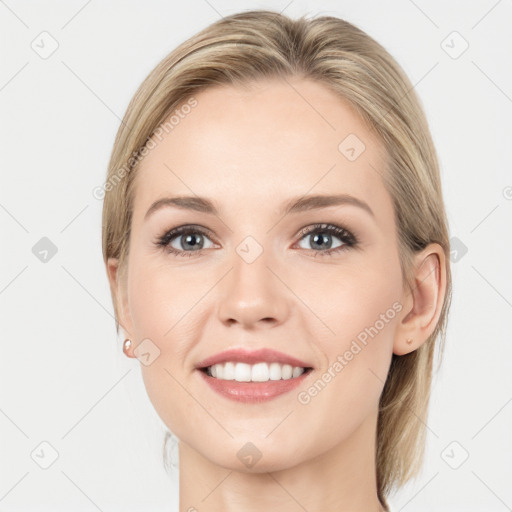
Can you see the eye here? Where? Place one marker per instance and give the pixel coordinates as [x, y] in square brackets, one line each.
[192, 237]
[320, 236]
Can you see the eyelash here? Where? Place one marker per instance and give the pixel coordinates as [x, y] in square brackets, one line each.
[348, 239]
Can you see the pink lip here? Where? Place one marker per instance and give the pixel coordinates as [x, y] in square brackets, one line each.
[263, 355]
[253, 392]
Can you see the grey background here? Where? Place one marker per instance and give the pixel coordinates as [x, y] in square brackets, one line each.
[63, 378]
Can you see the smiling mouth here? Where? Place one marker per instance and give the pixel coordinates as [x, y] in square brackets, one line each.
[254, 373]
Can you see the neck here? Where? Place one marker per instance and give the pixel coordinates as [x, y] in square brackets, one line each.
[343, 478]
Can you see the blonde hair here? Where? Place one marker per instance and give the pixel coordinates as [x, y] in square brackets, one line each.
[260, 44]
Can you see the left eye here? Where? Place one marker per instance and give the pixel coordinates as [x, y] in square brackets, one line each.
[317, 234]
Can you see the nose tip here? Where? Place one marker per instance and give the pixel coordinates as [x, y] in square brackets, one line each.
[252, 296]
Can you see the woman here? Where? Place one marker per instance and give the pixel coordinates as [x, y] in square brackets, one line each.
[292, 374]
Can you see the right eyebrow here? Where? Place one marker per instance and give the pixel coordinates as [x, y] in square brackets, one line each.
[195, 203]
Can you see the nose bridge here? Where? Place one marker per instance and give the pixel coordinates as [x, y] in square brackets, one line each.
[252, 292]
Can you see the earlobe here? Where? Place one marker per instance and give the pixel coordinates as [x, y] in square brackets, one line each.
[427, 294]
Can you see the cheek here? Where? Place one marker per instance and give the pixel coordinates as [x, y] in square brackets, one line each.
[362, 310]
[363, 306]
[160, 298]
[161, 304]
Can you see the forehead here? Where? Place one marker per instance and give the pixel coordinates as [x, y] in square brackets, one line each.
[261, 144]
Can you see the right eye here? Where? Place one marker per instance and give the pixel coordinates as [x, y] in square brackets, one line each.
[192, 237]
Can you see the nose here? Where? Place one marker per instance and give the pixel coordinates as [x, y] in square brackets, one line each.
[253, 295]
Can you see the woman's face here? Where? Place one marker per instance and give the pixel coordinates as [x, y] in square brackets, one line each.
[246, 277]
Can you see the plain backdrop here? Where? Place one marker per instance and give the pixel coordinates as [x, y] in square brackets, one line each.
[70, 400]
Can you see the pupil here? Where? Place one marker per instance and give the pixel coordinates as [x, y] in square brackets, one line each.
[190, 237]
[323, 237]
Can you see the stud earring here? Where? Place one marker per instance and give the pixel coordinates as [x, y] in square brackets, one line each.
[126, 347]
[408, 341]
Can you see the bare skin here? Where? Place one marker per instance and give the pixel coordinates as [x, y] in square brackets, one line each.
[250, 152]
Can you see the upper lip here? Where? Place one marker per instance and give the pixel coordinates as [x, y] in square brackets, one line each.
[240, 355]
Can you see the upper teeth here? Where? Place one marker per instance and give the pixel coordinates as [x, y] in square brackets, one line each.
[259, 372]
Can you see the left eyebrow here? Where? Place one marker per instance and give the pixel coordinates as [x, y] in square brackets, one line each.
[295, 205]
[306, 203]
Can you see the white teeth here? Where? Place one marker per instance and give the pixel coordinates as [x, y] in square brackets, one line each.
[228, 372]
[297, 371]
[259, 372]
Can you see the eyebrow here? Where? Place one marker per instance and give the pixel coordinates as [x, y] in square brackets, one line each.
[295, 205]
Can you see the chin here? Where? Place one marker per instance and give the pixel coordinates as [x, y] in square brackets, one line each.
[254, 456]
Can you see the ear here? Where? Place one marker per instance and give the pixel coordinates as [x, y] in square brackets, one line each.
[119, 297]
[422, 304]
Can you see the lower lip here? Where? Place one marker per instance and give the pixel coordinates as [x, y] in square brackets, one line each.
[253, 391]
